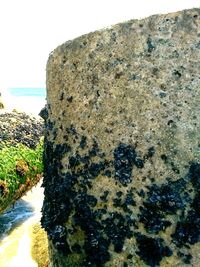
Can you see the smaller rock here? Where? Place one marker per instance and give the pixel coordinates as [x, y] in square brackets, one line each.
[2, 105]
[44, 113]
[21, 128]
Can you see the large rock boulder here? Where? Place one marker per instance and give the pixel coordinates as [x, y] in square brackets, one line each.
[122, 146]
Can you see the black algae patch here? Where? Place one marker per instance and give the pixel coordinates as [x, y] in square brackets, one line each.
[95, 149]
[150, 45]
[152, 250]
[104, 196]
[162, 200]
[117, 229]
[56, 207]
[67, 195]
[170, 198]
[58, 235]
[150, 153]
[125, 203]
[125, 157]
[188, 227]
[83, 142]
[186, 258]
[194, 175]
[95, 246]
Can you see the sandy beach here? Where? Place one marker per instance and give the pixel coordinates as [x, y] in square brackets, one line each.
[29, 104]
[15, 249]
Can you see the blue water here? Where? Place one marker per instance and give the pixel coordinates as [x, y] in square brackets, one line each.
[14, 216]
[36, 92]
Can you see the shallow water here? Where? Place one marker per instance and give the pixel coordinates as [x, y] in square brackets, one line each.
[13, 217]
[15, 225]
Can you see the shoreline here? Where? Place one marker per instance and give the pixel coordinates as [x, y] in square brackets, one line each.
[31, 105]
[24, 237]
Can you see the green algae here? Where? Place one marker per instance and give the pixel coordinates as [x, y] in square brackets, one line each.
[21, 167]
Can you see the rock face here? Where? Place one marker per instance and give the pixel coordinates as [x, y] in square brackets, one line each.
[122, 148]
[2, 105]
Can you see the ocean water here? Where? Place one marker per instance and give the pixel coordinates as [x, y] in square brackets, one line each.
[29, 92]
[29, 100]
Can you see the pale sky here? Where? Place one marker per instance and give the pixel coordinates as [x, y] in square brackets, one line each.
[31, 29]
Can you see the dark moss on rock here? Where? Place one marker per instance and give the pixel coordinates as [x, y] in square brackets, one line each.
[150, 153]
[58, 236]
[186, 258]
[95, 246]
[152, 250]
[70, 99]
[188, 227]
[150, 45]
[162, 200]
[117, 230]
[125, 157]
[68, 194]
[83, 142]
[194, 175]
[61, 198]
[94, 150]
[104, 196]
[124, 201]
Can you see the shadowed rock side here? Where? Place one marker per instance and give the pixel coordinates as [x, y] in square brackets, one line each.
[122, 145]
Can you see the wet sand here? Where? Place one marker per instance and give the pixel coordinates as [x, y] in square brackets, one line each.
[30, 105]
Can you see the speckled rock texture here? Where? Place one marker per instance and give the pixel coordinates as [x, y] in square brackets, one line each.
[122, 145]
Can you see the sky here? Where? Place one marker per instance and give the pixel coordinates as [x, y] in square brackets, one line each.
[31, 29]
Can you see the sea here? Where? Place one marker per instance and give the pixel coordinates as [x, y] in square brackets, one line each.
[29, 100]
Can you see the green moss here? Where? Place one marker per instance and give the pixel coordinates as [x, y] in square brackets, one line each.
[20, 169]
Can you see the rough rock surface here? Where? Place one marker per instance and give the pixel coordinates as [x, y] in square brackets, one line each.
[122, 148]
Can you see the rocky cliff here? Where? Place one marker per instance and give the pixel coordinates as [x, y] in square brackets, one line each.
[122, 145]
